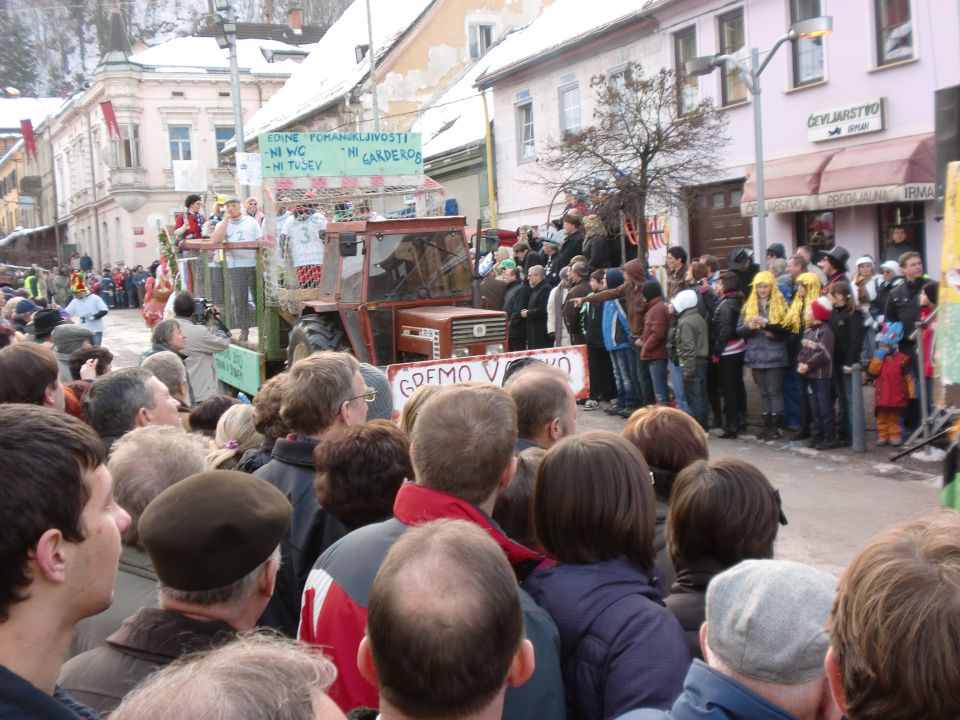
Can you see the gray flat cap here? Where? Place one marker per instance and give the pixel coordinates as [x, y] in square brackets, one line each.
[767, 619]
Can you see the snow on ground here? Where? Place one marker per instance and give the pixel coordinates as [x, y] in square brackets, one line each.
[331, 68]
[197, 53]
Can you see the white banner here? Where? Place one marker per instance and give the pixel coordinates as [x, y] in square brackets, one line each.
[911, 192]
[248, 168]
[855, 119]
[407, 377]
[189, 176]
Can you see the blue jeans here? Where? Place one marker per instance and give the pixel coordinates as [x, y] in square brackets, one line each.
[792, 412]
[676, 380]
[821, 406]
[695, 389]
[96, 339]
[657, 372]
[625, 376]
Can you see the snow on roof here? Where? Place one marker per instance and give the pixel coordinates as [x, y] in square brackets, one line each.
[563, 22]
[456, 120]
[193, 54]
[331, 69]
[13, 110]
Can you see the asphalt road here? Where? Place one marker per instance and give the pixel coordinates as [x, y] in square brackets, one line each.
[834, 501]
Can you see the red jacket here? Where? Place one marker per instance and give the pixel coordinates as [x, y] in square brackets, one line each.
[656, 323]
[333, 614]
[892, 387]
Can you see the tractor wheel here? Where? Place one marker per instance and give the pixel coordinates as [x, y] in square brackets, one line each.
[313, 333]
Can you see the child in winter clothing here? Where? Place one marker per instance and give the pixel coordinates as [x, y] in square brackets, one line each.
[693, 353]
[815, 363]
[893, 385]
[616, 338]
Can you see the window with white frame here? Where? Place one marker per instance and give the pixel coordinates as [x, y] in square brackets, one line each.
[223, 135]
[126, 148]
[685, 48]
[732, 42]
[481, 38]
[894, 31]
[525, 138]
[180, 142]
[807, 52]
[569, 101]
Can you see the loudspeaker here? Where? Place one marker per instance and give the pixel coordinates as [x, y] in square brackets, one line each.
[947, 137]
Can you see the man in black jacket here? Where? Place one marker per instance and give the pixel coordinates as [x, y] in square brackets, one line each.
[903, 306]
[536, 310]
[514, 303]
[573, 243]
[325, 394]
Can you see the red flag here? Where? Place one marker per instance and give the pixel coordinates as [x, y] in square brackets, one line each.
[110, 118]
[29, 141]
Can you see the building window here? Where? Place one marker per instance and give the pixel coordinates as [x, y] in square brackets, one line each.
[180, 143]
[570, 108]
[481, 38]
[223, 135]
[525, 147]
[894, 31]
[685, 48]
[816, 229]
[910, 217]
[807, 52]
[732, 42]
[126, 148]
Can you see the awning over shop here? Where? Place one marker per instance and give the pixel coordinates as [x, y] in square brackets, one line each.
[790, 184]
[900, 170]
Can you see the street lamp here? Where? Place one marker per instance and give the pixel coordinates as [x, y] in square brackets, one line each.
[811, 28]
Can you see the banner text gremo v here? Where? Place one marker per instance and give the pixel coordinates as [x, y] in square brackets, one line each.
[319, 154]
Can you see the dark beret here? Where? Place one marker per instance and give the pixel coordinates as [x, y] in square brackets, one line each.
[213, 528]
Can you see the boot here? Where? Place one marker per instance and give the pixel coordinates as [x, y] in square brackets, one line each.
[742, 422]
[775, 432]
[764, 434]
[729, 434]
[803, 433]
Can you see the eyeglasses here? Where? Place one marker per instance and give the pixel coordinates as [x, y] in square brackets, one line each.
[369, 396]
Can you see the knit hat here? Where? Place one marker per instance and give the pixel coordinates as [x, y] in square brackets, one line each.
[892, 265]
[822, 308]
[382, 406]
[931, 290]
[864, 260]
[78, 283]
[890, 334]
[614, 278]
[67, 338]
[651, 290]
[777, 250]
[213, 528]
[766, 619]
[684, 300]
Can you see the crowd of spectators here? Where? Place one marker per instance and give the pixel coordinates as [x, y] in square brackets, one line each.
[314, 554]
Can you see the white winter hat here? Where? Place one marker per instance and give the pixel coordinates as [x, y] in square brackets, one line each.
[891, 265]
[684, 300]
[865, 259]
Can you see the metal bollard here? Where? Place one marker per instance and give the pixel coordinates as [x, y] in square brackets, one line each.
[857, 424]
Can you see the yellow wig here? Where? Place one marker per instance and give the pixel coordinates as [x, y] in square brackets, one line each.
[777, 309]
[796, 315]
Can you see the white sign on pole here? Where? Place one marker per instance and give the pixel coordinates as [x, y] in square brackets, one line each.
[854, 119]
[189, 176]
[407, 377]
[248, 168]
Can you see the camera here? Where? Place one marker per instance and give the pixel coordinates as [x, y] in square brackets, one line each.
[203, 310]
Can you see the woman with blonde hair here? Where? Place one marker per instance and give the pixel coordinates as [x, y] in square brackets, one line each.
[235, 435]
[408, 416]
[806, 292]
[762, 325]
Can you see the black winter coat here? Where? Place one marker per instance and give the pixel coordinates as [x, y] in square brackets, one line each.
[848, 331]
[903, 306]
[514, 301]
[537, 331]
[597, 250]
[572, 246]
[723, 323]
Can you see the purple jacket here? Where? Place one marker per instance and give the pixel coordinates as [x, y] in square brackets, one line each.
[620, 648]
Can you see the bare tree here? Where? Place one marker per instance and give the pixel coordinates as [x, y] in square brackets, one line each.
[641, 151]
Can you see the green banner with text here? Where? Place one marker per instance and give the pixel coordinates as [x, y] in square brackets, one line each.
[239, 368]
[319, 154]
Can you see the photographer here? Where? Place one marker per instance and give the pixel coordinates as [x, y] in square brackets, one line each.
[202, 343]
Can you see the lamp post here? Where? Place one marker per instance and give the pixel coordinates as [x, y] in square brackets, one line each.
[706, 64]
[229, 40]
